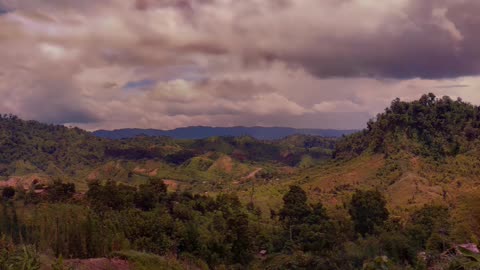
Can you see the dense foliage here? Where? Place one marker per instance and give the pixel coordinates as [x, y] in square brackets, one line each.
[431, 126]
[368, 210]
[46, 146]
[113, 218]
[61, 152]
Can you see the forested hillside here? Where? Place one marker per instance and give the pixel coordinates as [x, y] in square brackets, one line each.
[44, 146]
[423, 156]
[429, 127]
[417, 152]
[56, 152]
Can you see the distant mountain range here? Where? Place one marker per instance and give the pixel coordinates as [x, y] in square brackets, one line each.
[201, 132]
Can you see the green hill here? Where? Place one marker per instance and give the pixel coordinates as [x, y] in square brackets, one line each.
[43, 146]
[418, 152]
[31, 148]
[428, 127]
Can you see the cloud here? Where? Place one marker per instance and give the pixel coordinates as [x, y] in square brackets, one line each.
[338, 106]
[169, 63]
[142, 84]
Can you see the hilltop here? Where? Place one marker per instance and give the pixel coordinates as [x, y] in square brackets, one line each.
[424, 151]
[428, 127]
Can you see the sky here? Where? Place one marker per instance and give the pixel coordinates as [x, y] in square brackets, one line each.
[171, 63]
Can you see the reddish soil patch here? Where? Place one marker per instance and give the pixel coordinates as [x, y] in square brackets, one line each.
[224, 163]
[12, 182]
[153, 173]
[253, 174]
[99, 264]
[287, 170]
[24, 183]
[139, 170]
[250, 176]
[146, 172]
[172, 184]
[93, 176]
[415, 163]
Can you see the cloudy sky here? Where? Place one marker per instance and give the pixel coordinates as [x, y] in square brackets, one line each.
[171, 63]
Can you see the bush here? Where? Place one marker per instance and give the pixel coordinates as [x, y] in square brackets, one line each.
[8, 193]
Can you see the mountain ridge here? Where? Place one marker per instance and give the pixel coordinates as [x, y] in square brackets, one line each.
[202, 132]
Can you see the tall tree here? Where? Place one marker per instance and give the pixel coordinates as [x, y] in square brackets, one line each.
[295, 208]
[240, 238]
[368, 210]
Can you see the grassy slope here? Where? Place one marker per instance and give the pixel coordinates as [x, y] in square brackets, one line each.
[408, 182]
[425, 151]
[330, 182]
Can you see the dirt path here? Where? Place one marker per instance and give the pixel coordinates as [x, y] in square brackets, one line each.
[253, 174]
[99, 264]
[250, 176]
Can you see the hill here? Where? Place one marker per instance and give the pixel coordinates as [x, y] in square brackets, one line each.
[32, 150]
[428, 127]
[42, 147]
[261, 133]
[419, 152]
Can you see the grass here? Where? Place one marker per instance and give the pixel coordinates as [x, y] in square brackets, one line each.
[408, 182]
[327, 182]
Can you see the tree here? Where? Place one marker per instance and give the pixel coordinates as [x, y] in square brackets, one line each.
[240, 238]
[8, 193]
[295, 208]
[318, 234]
[150, 194]
[429, 227]
[368, 210]
[111, 196]
[294, 212]
[60, 192]
[157, 186]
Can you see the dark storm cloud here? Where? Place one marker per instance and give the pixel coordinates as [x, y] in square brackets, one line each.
[62, 114]
[3, 11]
[400, 39]
[435, 39]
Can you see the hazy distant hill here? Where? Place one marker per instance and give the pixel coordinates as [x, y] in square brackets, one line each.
[200, 132]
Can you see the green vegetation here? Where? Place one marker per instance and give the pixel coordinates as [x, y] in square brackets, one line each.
[29, 149]
[429, 127]
[402, 194]
[368, 210]
[150, 226]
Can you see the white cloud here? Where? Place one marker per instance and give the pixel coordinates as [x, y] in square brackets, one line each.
[338, 106]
